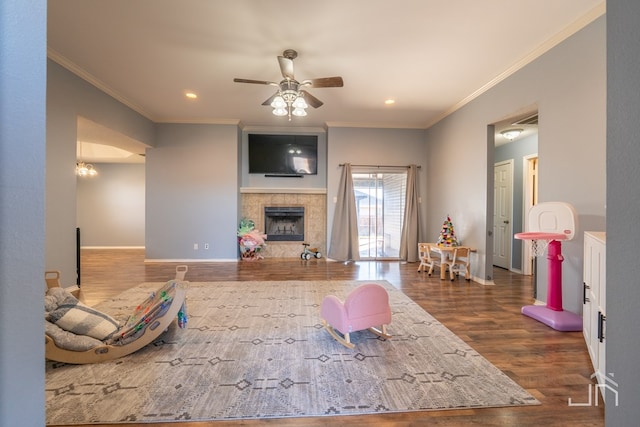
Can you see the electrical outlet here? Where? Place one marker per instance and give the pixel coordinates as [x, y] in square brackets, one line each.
[206, 246]
[195, 246]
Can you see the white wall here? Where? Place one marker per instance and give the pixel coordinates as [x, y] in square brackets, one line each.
[22, 184]
[111, 206]
[568, 84]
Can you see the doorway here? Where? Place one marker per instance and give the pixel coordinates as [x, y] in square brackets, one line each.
[512, 188]
[380, 200]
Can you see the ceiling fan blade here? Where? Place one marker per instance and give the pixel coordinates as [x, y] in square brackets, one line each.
[270, 99]
[311, 100]
[258, 82]
[325, 82]
[286, 67]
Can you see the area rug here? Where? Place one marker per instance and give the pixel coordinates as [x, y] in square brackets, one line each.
[258, 350]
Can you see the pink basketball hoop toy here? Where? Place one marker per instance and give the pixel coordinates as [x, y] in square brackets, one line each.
[550, 223]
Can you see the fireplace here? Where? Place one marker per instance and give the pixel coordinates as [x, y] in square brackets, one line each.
[284, 224]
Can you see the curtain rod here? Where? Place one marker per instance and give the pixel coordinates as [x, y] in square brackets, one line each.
[380, 166]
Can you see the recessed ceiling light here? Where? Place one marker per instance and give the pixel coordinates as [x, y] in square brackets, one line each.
[390, 101]
[190, 95]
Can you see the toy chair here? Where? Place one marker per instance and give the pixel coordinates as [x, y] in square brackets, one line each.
[459, 263]
[426, 261]
[366, 307]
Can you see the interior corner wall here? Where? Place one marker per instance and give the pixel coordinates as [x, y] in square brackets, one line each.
[68, 96]
[368, 146]
[192, 193]
[23, 40]
[110, 206]
[568, 83]
[623, 205]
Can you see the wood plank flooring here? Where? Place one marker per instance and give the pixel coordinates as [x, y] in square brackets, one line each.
[553, 366]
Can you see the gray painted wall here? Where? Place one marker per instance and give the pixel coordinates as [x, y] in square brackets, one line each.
[192, 192]
[364, 146]
[516, 151]
[623, 211]
[22, 209]
[568, 85]
[111, 206]
[68, 97]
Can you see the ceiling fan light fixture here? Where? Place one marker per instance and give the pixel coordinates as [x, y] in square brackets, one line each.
[511, 134]
[278, 102]
[299, 112]
[299, 103]
[289, 100]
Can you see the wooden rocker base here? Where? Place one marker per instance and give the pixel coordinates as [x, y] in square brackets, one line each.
[346, 340]
[107, 352]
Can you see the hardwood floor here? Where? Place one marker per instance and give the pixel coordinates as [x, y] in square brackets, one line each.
[553, 366]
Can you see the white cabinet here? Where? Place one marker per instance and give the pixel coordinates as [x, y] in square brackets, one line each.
[594, 312]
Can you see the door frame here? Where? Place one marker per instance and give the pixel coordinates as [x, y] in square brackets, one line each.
[530, 198]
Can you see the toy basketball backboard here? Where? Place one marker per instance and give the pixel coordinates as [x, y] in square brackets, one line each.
[553, 217]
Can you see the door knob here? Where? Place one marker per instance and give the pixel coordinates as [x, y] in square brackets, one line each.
[506, 222]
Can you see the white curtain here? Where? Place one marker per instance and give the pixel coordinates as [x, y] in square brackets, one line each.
[344, 234]
[411, 222]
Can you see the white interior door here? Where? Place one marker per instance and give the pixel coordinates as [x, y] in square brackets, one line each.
[502, 231]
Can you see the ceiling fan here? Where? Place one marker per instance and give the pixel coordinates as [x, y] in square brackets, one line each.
[290, 98]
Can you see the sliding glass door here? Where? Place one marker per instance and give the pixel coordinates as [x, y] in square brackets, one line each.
[380, 199]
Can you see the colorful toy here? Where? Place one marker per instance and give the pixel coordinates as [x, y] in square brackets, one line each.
[447, 235]
[308, 252]
[550, 223]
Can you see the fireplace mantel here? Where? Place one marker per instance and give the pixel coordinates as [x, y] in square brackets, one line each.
[264, 190]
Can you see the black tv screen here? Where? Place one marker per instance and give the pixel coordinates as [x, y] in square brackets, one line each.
[283, 155]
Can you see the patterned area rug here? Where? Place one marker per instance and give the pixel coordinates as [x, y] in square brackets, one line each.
[258, 350]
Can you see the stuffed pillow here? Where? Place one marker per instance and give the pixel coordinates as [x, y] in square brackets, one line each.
[73, 316]
[68, 340]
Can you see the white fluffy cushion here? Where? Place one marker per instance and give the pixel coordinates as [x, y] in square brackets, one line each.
[68, 340]
[73, 316]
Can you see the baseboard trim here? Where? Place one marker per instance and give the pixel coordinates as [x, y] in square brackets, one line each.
[112, 247]
[165, 260]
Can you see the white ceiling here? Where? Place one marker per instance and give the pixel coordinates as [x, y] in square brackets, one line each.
[430, 56]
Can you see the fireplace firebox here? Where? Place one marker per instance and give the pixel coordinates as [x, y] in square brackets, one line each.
[284, 224]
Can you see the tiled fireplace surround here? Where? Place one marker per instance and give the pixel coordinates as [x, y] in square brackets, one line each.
[254, 200]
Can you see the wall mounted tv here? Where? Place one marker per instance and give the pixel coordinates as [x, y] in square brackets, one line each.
[283, 155]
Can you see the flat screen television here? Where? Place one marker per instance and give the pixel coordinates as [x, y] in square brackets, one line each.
[283, 155]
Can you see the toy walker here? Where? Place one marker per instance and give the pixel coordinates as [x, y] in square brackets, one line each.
[549, 224]
[308, 252]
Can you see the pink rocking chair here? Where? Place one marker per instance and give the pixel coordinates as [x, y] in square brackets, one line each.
[366, 307]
